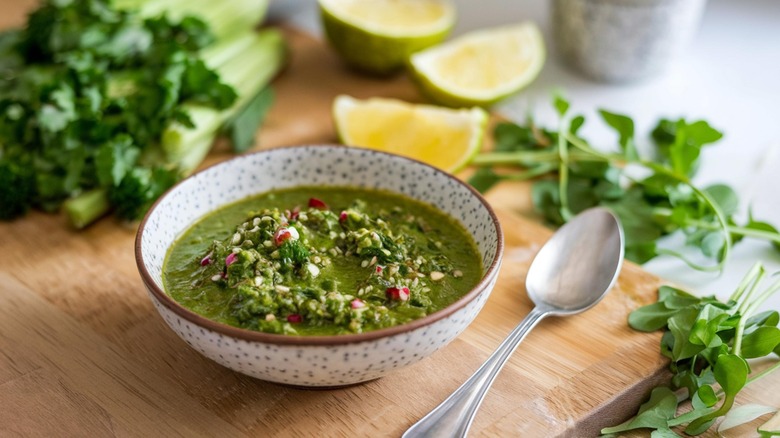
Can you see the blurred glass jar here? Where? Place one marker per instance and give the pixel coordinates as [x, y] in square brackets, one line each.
[623, 40]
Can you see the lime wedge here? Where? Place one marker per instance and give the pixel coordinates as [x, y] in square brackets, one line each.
[481, 67]
[379, 35]
[442, 137]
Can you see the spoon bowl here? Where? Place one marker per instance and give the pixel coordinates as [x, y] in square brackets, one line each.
[570, 274]
[578, 265]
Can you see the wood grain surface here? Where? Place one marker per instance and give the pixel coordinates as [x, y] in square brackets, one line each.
[84, 353]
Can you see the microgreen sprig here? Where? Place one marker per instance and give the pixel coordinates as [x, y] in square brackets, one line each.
[570, 176]
[708, 343]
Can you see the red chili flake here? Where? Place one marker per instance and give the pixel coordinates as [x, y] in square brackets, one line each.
[357, 303]
[318, 204]
[343, 217]
[294, 318]
[230, 259]
[292, 214]
[282, 235]
[379, 269]
[397, 293]
[205, 261]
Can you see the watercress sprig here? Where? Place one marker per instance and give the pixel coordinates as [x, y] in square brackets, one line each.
[708, 343]
[570, 175]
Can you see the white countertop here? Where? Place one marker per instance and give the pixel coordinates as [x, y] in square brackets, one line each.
[729, 76]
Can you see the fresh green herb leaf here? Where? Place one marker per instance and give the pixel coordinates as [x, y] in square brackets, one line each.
[769, 318]
[708, 342]
[705, 397]
[680, 143]
[577, 122]
[624, 126]
[114, 159]
[712, 244]
[201, 84]
[546, 199]
[675, 298]
[293, 252]
[511, 137]
[651, 317]
[760, 342]
[654, 413]
[561, 104]
[731, 371]
[483, 179]
[663, 433]
[704, 331]
[17, 188]
[570, 175]
[680, 325]
[138, 190]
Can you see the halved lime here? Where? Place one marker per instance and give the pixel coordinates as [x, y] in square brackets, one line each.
[481, 67]
[379, 35]
[442, 137]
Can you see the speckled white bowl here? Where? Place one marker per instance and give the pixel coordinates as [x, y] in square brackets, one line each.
[316, 361]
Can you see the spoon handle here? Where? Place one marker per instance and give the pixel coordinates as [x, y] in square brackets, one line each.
[452, 418]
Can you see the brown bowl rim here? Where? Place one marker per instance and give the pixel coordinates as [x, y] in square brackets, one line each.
[277, 339]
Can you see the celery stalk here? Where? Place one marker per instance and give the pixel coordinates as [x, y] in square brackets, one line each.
[248, 72]
[87, 207]
[196, 153]
[226, 49]
[224, 18]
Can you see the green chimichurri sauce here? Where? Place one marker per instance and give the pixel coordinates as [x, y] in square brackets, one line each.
[321, 261]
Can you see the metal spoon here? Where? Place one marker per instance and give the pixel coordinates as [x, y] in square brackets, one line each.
[571, 273]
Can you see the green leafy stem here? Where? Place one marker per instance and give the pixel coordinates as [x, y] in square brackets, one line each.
[569, 176]
[708, 343]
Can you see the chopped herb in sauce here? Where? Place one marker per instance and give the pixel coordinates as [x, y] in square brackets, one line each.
[322, 260]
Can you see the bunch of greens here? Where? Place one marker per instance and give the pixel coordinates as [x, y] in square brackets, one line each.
[104, 106]
[570, 176]
[708, 343]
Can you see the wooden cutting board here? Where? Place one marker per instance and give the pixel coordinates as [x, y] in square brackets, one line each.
[84, 353]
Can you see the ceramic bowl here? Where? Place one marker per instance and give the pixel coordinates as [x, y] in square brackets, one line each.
[316, 361]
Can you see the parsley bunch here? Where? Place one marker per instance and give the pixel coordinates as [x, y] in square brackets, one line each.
[570, 176]
[89, 93]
